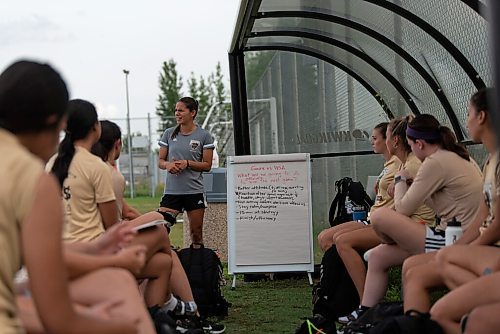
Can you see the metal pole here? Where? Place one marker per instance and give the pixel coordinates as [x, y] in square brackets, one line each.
[129, 140]
[494, 20]
[150, 159]
[239, 103]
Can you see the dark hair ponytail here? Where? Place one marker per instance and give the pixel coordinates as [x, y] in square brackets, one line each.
[428, 124]
[110, 133]
[192, 105]
[82, 116]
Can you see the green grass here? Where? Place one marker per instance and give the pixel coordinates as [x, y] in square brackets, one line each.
[266, 306]
[146, 204]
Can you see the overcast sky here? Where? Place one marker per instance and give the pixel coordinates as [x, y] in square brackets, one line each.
[91, 41]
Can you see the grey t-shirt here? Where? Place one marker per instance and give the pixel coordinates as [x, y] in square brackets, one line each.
[184, 147]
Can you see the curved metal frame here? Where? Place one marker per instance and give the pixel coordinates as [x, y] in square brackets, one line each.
[477, 6]
[251, 10]
[324, 57]
[437, 36]
[349, 48]
[387, 42]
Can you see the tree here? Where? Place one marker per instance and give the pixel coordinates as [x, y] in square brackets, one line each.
[207, 91]
[204, 99]
[170, 92]
[216, 81]
[193, 86]
[201, 91]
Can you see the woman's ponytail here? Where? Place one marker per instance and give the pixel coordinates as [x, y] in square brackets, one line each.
[82, 117]
[176, 131]
[449, 143]
[426, 127]
[65, 155]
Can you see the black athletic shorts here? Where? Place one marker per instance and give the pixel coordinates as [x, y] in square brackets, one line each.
[184, 202]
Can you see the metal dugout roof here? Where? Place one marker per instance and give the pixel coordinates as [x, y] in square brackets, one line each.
[412, 56]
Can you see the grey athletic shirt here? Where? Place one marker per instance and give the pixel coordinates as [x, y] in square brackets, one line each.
[184, 147]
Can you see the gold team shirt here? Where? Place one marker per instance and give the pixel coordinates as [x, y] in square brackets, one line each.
[447, 183]
[88, 184]
[118, 188]
[491, 188]
[423, 213]
[385, 178]
[20, 172]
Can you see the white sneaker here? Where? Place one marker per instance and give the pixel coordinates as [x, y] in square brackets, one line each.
[350, 317]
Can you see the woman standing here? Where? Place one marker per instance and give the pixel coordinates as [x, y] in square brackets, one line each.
[186, 152]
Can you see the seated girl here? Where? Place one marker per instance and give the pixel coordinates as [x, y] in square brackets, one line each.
[328, 237]
[33, 101]
[397, 144]
[90, 206]
[421, 272]
[108, 148]
[448, 181]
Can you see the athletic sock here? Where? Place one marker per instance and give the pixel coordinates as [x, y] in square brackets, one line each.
[170, 304]
[180, 307]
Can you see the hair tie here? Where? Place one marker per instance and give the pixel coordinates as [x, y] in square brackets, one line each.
[431, 135]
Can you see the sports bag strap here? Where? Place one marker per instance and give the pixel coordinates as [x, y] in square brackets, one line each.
[191, 250]
[310, 327]
[206, 278]
[344, 189]
[334, 207]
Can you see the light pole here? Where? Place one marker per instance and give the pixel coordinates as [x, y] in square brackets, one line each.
[129, 140]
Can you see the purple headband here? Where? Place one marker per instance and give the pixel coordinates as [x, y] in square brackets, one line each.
[422, 135]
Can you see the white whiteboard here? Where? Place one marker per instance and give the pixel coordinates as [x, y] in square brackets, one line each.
[269, 213]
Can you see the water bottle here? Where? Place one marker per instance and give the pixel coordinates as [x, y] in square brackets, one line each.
[215, 157]
[453, 231]
[358, 213]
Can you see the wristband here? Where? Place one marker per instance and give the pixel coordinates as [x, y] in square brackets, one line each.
[399, 178]
[187, 163]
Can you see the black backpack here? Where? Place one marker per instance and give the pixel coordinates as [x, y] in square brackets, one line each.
[335, 294]
[374, 317]
[415, 323]
[205, 274]
[351, 195]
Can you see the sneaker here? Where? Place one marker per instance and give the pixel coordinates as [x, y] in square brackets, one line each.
[164, 324]
[210, 327]
[345, 320]
[186, 324]
[189, 325]
[185, 308]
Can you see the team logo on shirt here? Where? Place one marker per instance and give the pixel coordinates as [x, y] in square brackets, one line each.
[194, 144]
[66, 193]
